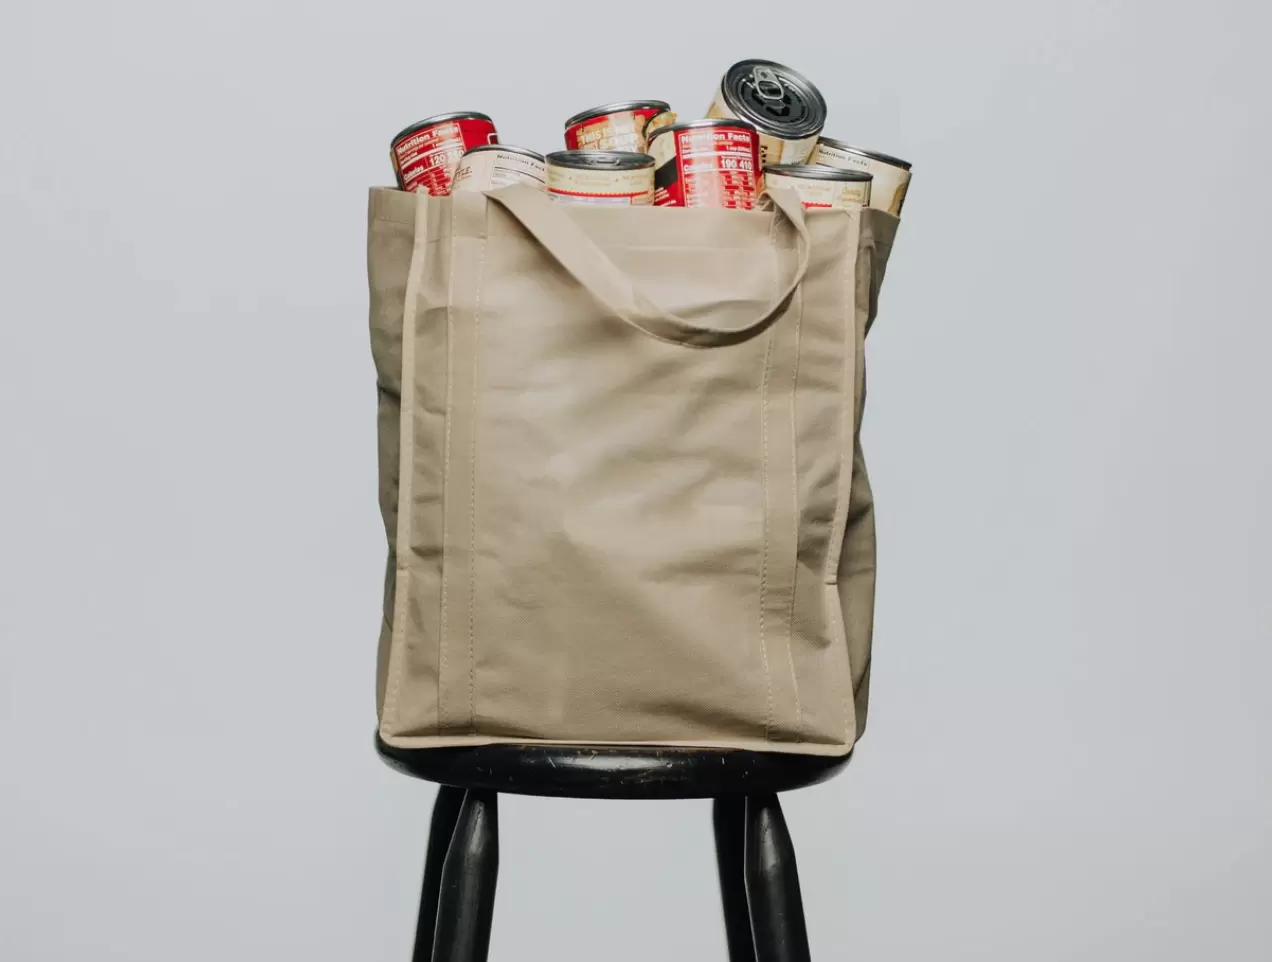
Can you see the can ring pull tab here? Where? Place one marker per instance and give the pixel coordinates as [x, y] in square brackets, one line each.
[767, 84]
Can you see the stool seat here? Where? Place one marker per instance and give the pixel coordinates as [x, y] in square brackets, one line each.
[759, 881]
[610, 772]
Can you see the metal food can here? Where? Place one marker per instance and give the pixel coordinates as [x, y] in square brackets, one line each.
[706, 163]
[891, 174]
[601, 177]
[425, 154]
[619, 126]
[785, 107]
[498, 165]
[657, 122]
[820, 186]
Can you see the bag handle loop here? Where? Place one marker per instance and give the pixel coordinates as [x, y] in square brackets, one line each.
[570, 245]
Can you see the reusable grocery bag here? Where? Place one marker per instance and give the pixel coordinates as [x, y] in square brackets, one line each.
[620, 471]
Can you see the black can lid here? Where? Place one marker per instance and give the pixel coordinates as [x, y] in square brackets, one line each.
[778, 100]
[710, 122]
[600, 159]
[506, 148]
[618, 107]
[872, 154]
[441, 119]
[820, 172]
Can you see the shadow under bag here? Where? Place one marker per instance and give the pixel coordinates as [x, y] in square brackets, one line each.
[621, 472]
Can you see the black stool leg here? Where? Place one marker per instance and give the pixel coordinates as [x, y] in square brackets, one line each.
[442, 827]
[729, 818]
[772, 884]
[466, 906]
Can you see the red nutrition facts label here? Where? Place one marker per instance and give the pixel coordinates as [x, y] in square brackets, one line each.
[426, 159]
[619, 130]
[706, 167]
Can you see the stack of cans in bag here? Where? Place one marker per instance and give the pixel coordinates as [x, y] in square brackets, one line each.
[764, 128]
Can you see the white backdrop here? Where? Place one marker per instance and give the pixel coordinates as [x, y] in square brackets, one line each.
[1068, 754]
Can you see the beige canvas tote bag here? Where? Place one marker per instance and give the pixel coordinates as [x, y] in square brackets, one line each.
[620, 471]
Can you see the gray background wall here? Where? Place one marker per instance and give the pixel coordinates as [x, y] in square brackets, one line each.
[1069, 747]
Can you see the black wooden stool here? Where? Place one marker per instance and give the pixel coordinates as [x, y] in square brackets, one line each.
[763, 911]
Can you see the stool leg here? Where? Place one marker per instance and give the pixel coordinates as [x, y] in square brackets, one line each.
[466, 906]
[729, 819]
[445, 815]
[772, 884]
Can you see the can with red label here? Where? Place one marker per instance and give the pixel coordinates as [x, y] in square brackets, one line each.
[706, 163]
[498, 165]
[425, 154]
[822, 187]
[619, 126]
[601, 177]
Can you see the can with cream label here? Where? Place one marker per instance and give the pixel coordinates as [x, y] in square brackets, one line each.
[657, 122]
[601, 177]
[891, 174]
[822, 187]
[785, 107]
[498, 165]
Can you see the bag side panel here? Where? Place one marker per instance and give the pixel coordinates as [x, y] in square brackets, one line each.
[857, 571]
[411, 688]
[390, 239]
[824, 412]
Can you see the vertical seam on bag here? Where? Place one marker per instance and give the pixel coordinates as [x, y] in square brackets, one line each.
[764, 549]
[848, 418]
[847, 414]
[472, 485]
[446, 458]
[844, 690]
[406, 473]
[790, 618]
[764, 484]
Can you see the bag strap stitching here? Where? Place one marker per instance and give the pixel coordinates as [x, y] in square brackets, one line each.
[764, 528]
[850, 324]
[406, 448]
[848, 421]
[847, 408]
[444, 625]
[845, 690]
[790, 617]
[472, 481]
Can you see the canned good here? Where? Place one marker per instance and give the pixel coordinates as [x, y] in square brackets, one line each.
[425, 154]
[601, 177]
[891, 174]
[785, 107]
[822, 186]
[657, 122]
[619, 126]
[498, 165]
[706, 163]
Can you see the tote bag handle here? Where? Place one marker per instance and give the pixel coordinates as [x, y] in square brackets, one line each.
[569, 244]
